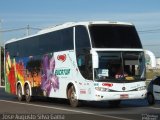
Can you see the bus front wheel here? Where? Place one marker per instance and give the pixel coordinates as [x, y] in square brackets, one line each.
[72, 97]
[27, 94]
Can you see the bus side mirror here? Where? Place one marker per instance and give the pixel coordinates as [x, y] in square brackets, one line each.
[95, 59]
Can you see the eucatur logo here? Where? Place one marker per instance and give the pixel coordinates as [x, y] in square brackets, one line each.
[107, 84]
[61, 57]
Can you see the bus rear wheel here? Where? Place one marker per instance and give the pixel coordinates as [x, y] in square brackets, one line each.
[72, 97]
[19, 93]
[27, 94]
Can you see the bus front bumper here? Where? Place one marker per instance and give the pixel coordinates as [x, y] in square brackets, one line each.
[103, 96]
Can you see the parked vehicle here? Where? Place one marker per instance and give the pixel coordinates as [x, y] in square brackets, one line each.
[153, 93]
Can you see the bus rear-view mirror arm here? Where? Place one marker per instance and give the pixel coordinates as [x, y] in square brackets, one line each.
[95, 59]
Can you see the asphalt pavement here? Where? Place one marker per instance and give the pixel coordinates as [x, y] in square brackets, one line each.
[59, 109]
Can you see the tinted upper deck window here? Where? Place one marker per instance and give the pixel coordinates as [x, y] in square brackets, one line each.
[82, 37]
[56, 41]
[59, 40]
[114, 36]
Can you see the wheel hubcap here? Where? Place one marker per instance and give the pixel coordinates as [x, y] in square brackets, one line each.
[73, 96]
[19, 93]
[27, 92]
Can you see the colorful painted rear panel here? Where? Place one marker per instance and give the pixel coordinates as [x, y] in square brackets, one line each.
[37, 70]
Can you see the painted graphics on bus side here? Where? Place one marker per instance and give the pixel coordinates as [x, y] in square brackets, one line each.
[39, 71]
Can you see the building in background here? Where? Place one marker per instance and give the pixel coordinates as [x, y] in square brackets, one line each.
[150, 60]
[158, 63]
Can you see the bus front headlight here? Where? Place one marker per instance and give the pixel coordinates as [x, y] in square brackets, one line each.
[102, 89]
[141, 88]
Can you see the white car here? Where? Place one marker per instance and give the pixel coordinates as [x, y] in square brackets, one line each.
[153, 93]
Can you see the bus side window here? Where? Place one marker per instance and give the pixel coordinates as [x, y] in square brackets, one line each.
[84, 59]
[81, 61]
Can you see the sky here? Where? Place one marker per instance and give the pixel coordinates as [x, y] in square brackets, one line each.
[144, 14]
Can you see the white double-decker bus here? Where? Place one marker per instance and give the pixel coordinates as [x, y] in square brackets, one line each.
[91, 61]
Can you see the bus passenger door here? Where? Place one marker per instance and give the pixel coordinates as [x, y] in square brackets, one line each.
[84, 62]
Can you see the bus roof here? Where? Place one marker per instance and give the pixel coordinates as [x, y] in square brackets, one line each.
[66, 25]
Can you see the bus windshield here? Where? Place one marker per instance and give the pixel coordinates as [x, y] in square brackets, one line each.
[120, 67]
[114, 36]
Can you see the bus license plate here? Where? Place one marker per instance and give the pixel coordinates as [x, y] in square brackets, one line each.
[124, 96]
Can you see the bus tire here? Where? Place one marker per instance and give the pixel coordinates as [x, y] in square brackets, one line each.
[72, 97]
[19, 93]
[150, 99]
[114, 103]
[28, 96]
